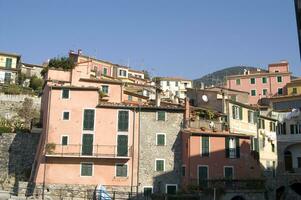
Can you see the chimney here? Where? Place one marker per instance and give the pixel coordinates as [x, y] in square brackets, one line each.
[79, 52]
[158, 97]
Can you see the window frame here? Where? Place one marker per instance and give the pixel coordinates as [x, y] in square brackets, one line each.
[183, 169]
[157, 116]
[160, 159]
[237, 81]
[69, 116]
[171, 184]
[280, 80]
[201, 147]
[149, 187]
[129, 119]
[229, 166]
[254, 90]
[198, 176]
[62, 94]
[83, 118]
[251, 81]
[264, 78]
[107, 90]
[127, 170]
[6, 63]
[67, 140]
[279, 89]
[294, 90]
[157, 134]
[80, 169]
[265, 89]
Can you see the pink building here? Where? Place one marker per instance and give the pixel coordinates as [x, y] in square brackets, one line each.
[262, 83]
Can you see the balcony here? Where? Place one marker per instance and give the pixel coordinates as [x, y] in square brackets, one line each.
[215, 126]
[88, 151]
[227, 184]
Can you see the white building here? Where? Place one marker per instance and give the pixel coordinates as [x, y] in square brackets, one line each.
[173, 87]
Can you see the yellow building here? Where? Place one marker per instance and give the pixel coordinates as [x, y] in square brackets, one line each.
[294, 87]
[9, 67]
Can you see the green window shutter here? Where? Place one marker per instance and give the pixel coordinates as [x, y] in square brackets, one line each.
[123, 120]
[159, 165]
[263, 124]
[237, 147]
[86, 169]
[240, 113]
[256, 144]
[65, 93]
[121, 170]
[205, 146]
[292, 129]
[227, 139]
[161, 139]
[284, 128]
[87, 146]
[122, 146]
[8, 63]
[161, 115]
[64, 140]
[89, 119]
[233, 112]
[105, 71]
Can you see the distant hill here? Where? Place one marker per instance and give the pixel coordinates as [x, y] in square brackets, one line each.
[219, 77]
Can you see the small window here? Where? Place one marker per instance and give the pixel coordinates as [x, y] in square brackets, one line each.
[121, 170]
[123, 120]
[177, 83]
[279, 79]
[171, 188]
[264, 92]
[64, 140]
[105, 71]
[160, 165]
[264, 79]
[183, 170]
[292, 129]
[237, 112]
[130, 97]
[273, 147]
[237, 81]
[251, 115]
[280, 91]
[261, 124]
[167, 83]
[147, 192]
[8, 63]
[65, 93]
[294, 90]
[86, 169]
[161, 115]
[105, 89]
[228, 173]
[205, 146]
[160, 139]
[253, 92]
[253, 80]
[66, 115]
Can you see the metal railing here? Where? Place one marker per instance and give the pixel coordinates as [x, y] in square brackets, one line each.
[227, 184]
[79, 150]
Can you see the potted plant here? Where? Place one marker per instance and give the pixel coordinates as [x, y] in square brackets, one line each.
[49, 148]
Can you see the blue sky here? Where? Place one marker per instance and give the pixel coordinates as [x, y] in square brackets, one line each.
[188, 38]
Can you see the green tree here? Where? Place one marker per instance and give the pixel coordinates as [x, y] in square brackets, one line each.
[36, 83]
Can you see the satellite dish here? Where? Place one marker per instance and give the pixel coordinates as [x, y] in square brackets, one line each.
[205, 98]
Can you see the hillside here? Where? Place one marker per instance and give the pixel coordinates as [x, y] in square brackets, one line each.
[219, 77]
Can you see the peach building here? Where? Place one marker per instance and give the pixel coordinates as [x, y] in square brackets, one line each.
[262, 83]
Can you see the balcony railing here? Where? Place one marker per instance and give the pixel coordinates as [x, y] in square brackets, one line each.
[97, 151]
[199, 123]
[227, 184]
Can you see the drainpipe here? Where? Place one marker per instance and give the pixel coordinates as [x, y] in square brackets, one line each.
[133, 147]
[139, 142]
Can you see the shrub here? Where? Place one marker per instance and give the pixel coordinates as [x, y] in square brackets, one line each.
[4, 129]
[36, 83]
[64, 63]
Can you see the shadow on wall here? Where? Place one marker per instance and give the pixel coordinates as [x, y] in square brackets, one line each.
[21, 157]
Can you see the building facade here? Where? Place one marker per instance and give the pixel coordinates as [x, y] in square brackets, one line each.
[9, 67]
[262, 83]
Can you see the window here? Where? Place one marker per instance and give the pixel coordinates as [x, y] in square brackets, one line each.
[261, 124]
[272, 126]
[64, 140]
[273, 147]
[177, 93]
[122, 73]
[294, 90]
[183, 170]
[7, 78]
[121, 170]
[253, 92]
[232, 147]
[86, 169]
[237, 81]
[88, 122]
[105, 89]
[237, 112]
[185, 85]
[123, 120]
[167, 83]
[299, 162]
[263, 142]
[130, 98]
[171, 188]
[177, 83]
[160, 140]
[105, 71]
[253, 80]
[280, 91]
[264, 92]
[251, 118]
[122, 145]
[161, 115]
[279, 79]
[294, 129]
[264, 79]
[8, 63]
[65, 93]
[228, 172]
[205, 146]
[87, 144]
[66, 115]
[147, 192]
[203, 175]
[160, 165]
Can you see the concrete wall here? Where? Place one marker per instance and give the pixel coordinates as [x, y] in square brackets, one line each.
[149, 151]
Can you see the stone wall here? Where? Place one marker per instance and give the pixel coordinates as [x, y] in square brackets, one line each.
[9, 104]
[17, 152]
[149, 151]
